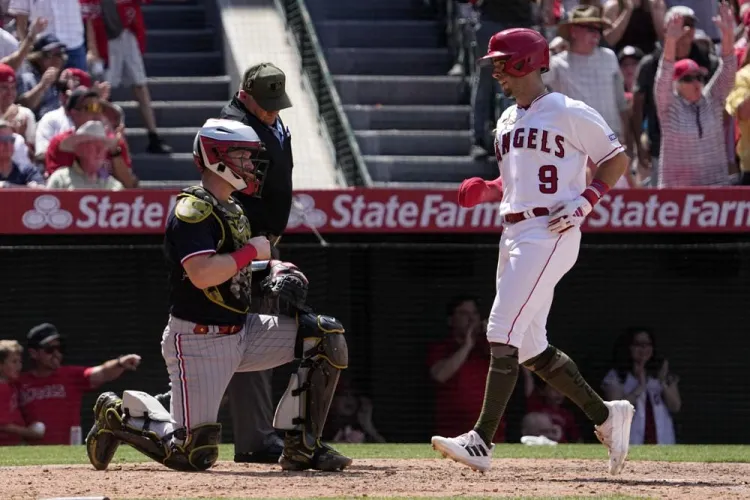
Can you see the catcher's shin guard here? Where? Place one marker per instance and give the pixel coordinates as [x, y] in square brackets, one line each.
[131, 423]
[303, 409]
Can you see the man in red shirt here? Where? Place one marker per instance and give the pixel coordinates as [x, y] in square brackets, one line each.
[84, 105]
[116, 35]
[13, 427]
[51, 393]
[459, 366]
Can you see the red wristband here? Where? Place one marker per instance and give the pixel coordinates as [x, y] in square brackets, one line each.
[595, 191]
[244, 256]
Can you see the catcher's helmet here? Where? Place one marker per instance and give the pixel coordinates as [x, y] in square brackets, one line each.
[231, 150]
[523, 50]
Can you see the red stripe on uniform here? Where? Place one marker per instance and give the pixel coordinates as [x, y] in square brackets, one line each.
[609, 155]
[533, 288]
[183, 381]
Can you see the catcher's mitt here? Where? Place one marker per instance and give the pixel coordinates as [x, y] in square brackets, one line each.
[286, 282]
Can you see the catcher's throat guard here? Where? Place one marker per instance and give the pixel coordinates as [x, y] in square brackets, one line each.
[324, 354]
[136, 422]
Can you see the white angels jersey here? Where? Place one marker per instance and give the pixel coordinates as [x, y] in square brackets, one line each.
[542, 151]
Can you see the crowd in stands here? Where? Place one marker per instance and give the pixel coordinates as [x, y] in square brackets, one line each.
[458, 363]
[41, 404]
[59, 62]
[668, 76]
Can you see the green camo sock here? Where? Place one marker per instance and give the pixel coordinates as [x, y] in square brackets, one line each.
[558, 370]
[501, 380]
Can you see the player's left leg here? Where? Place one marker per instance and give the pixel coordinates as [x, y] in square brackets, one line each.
[612, 419]
[318, 341]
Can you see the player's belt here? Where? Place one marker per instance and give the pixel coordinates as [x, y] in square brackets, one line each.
[526, 214]
[217, 330]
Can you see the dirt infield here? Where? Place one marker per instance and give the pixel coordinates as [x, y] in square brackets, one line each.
[376, 478]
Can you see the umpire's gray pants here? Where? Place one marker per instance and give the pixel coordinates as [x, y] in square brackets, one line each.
[200, 366]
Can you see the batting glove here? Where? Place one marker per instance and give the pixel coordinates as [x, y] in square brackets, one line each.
[571, 214]
[476, 190]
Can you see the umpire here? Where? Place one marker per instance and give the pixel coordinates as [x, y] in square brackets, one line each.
[261, 96]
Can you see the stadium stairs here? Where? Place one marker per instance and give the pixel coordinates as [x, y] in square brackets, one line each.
[389, 61]
[188, 85]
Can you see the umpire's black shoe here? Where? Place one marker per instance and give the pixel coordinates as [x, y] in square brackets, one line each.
[101, 443]
[268, 455]
[297, 456]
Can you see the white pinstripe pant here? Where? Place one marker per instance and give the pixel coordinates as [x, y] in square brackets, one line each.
[201, 366]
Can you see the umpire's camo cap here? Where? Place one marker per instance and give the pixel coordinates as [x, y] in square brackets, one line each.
[266, 83]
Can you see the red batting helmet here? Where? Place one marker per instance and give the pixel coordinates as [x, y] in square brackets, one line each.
[523, 50]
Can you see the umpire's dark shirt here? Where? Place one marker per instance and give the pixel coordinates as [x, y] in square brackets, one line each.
[270, 213]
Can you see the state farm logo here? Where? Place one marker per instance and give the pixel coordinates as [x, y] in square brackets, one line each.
[47, 212]
[304, 213]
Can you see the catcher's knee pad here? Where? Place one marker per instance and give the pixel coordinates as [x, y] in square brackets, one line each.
[140, 421]
[323, 352]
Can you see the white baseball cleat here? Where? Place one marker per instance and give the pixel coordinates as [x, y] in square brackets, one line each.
[614, 433]
[468, 449]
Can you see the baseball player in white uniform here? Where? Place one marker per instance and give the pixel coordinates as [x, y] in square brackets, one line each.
[542, 146]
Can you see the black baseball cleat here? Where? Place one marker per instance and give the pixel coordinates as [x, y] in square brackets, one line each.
[268, 455]
[101, 443]
[297, 456]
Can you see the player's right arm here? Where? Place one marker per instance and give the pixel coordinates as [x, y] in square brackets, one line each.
[193, 232]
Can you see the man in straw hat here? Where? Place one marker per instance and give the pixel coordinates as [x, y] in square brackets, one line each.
[90, 144]
[588, 72]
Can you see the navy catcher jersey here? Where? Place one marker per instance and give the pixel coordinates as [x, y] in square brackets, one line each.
[195, 228]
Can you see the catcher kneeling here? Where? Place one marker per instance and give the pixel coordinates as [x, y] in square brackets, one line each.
[210, 335]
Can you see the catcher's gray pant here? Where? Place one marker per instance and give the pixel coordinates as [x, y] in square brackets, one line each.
[200, 366]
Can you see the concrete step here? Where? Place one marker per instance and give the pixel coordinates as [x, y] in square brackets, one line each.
[414, 142]
[180, 138]
[184, 64]
[173, 113]
[191, 40]
[388, 61]
[369, 117]
[369, 33]
[174, 167]
[382, 9]
[181, 88]
[174, 16]
[402, 90]
[428, 169]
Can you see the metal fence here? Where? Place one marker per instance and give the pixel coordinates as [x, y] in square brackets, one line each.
[109, 297]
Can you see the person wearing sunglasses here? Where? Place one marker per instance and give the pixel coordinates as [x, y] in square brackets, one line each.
[51, 392]
[85, 105]
[690, 110]
[58, 121]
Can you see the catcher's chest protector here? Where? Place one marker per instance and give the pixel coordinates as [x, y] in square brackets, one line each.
[234, 294]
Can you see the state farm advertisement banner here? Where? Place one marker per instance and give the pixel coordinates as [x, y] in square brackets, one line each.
[725, 210]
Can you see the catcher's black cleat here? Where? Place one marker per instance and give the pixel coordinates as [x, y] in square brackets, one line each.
[297, 456]
[101, 443]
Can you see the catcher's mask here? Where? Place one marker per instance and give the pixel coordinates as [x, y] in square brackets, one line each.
[232, 151]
